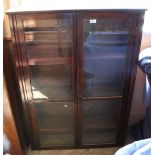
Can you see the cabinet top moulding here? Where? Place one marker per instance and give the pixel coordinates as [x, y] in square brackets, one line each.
[87, 5]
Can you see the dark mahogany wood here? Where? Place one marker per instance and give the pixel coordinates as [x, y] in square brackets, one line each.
[126, 107]
[23, 41]
[75, 81]
[20, 78]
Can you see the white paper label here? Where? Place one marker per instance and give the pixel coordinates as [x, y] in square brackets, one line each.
[92, 21]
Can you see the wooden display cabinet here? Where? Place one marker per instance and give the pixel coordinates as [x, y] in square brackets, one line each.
[76, 72]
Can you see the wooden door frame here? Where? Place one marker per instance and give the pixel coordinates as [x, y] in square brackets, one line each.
[130, 71]
[24, 69]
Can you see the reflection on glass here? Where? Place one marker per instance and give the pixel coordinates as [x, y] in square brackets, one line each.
[38, 93]
[100, 121]
[52, 81]
[105, 48]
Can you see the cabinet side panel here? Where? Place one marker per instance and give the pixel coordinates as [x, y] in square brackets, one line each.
[25, 80]
[12, 83]
[134, 49]
[23, 104]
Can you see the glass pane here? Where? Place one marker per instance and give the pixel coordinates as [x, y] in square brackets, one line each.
[48, 38]
[51, 81]
[104, 56]
[100, 121]
[55, 123]
[49, 52]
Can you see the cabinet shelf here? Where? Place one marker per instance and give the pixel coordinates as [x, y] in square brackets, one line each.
[56, 131]
[44, 32]
[115, 44]
[51, 140]
[107, 39]
[38, 100]
[44, 28]
[111, 33]
[47, 42]
[112, 56]
[49, 61]
[101, 97]
[29, 29]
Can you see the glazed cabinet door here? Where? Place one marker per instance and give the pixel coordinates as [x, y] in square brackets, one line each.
[76, 70]
[106, 47]
[46, 49]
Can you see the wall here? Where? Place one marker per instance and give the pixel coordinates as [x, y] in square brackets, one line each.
[7, 4]
[9, 127]
[6, 30]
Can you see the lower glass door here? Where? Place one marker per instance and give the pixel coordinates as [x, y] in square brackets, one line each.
[55, 120]
[100, 121]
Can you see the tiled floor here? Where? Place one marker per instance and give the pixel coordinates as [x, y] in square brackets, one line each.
[100, 151]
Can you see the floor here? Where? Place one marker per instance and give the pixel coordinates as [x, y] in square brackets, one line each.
[99, 151]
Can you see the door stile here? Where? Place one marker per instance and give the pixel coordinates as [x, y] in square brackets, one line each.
[27, 82]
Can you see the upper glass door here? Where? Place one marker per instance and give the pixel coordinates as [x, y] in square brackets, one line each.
[49, 51]
[105, 45]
